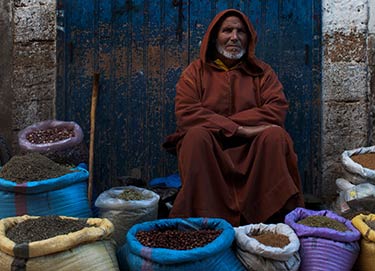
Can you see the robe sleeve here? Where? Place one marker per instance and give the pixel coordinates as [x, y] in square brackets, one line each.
[189, 110]
[273, 104]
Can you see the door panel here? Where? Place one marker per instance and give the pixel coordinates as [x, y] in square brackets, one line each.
[140, 49]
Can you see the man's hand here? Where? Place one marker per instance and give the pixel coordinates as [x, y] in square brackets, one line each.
[251, 131]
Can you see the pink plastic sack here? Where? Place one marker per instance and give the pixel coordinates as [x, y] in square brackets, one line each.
[66, 143]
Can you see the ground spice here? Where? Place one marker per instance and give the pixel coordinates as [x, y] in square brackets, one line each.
[177, 239]
[371, 224]
[271, 239]
[366, 160]
[323, 222]
[50, 135]
[131, 194]
[32, 167]
[44, 227]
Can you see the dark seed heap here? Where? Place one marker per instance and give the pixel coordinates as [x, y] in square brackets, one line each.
[32, 167]
[131, 194]
[271, 239]
[176, 239]
[42, 228]
[366, 160]
[323, 222]
[371, 224]
[50, 135]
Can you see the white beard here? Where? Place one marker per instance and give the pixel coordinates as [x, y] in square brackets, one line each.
[229, 55]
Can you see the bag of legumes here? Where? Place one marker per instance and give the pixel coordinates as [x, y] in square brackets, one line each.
[35, 243]
[61, 141]
[271, 247]
[180, 244]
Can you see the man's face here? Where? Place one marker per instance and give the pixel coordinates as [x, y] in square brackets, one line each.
[232, 38]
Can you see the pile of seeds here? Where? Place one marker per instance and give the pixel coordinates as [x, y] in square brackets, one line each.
[32, 167]
[371, 224]
[50, 135]
[44, 227]
[366, 160]
[323, 222]
[271, 239]
[176, 239]
[131, 194]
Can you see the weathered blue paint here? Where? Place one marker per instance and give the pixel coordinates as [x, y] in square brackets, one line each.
[140, 48]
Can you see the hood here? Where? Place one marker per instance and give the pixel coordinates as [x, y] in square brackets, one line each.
[206, 47]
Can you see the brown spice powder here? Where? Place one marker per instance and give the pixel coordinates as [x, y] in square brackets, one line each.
[271, 239]
[366, 160]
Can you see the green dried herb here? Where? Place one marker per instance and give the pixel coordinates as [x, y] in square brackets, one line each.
[131, 194]
[323, 222]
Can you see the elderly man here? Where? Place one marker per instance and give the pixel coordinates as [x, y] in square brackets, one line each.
[235, 159]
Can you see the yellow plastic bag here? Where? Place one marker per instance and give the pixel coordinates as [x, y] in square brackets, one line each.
[365, 260]
[88, 249]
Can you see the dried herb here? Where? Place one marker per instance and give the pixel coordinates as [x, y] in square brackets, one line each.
[323, 222]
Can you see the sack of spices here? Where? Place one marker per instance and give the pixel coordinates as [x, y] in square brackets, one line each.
[328, 242]
[61, 141]
[180, 244]
[125, 206]
[272, 247]
[366, 226]
[35, 243]
[359, 165]
[35, 185]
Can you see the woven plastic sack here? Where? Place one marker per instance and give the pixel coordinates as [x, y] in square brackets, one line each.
[126, 213]
[365, 261]
[72, 150]
[257, 256]
[354, 172]
[85, 250]
[324, 249]
[25, 144]
[65, 195]
[217, 255]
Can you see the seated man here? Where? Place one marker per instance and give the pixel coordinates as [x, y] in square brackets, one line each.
[235, 159]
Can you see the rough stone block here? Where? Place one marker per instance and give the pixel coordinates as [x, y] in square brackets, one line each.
[34, 23]
[30, 112]
[344, 82]
[27, 3]
[345, 118]
[341, 47]
[345, 16]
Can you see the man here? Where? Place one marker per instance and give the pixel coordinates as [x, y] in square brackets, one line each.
[235, 159]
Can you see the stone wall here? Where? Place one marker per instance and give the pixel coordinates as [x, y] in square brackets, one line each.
[347, 120]
[31, 91]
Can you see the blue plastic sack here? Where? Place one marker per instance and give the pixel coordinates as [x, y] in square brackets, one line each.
[169, 181]
[65, 195]
[217, 255]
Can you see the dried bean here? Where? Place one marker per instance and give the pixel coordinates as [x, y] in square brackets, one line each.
[50, 135]
[177, 239]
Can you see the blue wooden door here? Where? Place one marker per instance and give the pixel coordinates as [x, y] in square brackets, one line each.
[140, 48]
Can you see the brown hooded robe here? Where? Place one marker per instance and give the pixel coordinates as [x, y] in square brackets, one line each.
[239, 179]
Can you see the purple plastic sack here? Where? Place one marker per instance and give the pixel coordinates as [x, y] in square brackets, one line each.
[301, 230]
[324, 249]
[26, 145]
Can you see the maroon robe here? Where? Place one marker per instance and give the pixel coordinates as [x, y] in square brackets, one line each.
[223, 175]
